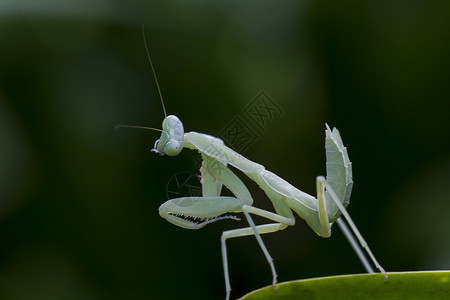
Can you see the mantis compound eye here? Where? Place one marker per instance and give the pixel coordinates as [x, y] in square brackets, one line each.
[173, 148]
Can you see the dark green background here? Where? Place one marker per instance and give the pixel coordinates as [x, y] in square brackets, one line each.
[79, 201]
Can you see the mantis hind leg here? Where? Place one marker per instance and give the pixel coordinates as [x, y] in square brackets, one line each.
[351, 239]
[321, 184]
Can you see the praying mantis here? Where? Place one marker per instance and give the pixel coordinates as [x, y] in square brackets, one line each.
[333, 192]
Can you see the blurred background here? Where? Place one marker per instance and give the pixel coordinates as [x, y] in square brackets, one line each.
[79, 201]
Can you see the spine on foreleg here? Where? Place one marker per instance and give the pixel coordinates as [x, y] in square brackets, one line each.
[339, 172]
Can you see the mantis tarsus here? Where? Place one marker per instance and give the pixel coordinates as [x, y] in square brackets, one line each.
[333, 192]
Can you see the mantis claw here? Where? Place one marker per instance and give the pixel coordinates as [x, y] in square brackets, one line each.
[197, 212]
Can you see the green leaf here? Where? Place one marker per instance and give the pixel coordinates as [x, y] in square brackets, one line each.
[402, 285]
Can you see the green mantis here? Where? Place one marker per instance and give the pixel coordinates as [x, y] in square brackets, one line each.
[333, 192]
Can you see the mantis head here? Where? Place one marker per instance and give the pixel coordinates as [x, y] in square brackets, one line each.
[171, 141]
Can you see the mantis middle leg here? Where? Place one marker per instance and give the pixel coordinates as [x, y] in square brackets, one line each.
[253, 230]
[215, 171]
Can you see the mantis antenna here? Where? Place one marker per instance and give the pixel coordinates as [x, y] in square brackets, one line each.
[157, 85]
[139, 127]
[153, 70]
